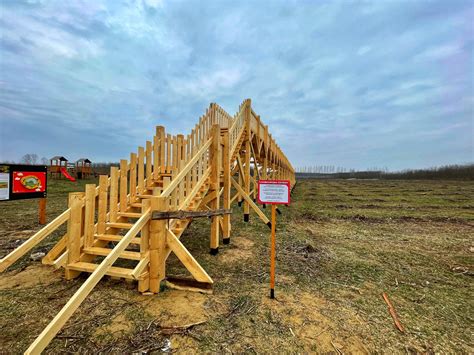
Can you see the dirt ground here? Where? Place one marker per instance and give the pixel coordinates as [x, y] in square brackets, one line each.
[340, 244]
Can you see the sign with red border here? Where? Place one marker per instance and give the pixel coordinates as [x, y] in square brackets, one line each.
[274, 192]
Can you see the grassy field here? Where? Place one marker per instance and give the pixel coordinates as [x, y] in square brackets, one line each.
[341, 244]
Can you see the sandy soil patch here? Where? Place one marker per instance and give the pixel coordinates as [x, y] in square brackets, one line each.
[34, 275]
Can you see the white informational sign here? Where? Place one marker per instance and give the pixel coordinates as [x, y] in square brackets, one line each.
[4, 186]
[274, 192]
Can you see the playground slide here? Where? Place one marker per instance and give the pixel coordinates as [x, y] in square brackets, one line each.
[66, 174]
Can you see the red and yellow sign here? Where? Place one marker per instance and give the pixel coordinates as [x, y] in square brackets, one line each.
[28, 181]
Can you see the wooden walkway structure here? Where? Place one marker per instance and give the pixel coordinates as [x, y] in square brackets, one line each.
[144, 206]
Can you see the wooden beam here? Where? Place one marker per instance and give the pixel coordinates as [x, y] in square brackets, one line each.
[144, 264]
[34, 240]
[209, 197]
[186, 258]
[225, 221]
[214, 158]
[102, 208]
[89, 215]
[56, 251]
[114, 176]
[123, 185]
[74, 232]
[157, 244]
[251, 203]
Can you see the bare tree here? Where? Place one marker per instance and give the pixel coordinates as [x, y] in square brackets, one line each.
[29, 159]
[44, 161]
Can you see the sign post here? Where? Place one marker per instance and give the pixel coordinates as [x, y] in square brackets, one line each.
[42, 210]
[273, 192]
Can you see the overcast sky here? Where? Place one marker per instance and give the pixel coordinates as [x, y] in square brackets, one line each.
[347, 83]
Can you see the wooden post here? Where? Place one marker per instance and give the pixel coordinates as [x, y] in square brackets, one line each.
[74, 233]
[42, 211]
[89, 215]
[141, 170]
[241, 183]
[215, 186]
[160, 132]
[168, 153]
[272, 253]
[175, 156]
[123, 185]
[227, 185]
[144, 284]
[149, 163]
[102, 208]
[247, 163]
[133, 176]
[157, 251]
[114, 176]
[156, 156]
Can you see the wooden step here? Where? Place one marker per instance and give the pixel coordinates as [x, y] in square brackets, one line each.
[156, 183]
[115, 238]
[144, 196]
[113, 271]
[136, 204]
[119, 225]
[130, 255]
[130, 214]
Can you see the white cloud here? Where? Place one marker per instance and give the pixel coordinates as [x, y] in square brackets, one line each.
[45, 41]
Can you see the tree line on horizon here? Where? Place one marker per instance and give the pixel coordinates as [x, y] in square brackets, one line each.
[453, 171]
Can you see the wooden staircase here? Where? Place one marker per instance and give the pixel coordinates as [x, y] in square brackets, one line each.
[88, 260]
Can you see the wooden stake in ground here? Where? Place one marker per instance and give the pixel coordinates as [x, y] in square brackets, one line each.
[272, 253]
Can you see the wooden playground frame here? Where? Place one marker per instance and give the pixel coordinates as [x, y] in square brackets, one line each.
[152, 198]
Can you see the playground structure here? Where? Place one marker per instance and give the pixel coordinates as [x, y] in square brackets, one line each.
[59, 167]
[57, 164]
[145, 206]
[83, 168]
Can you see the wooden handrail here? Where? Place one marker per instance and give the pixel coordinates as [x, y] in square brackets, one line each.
[34, 240]
[177, 180]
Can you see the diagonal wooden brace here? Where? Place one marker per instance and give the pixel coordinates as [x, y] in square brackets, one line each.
[186, 258]
[251, 203]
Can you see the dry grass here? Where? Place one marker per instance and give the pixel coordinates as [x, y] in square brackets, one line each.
[340, 245]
